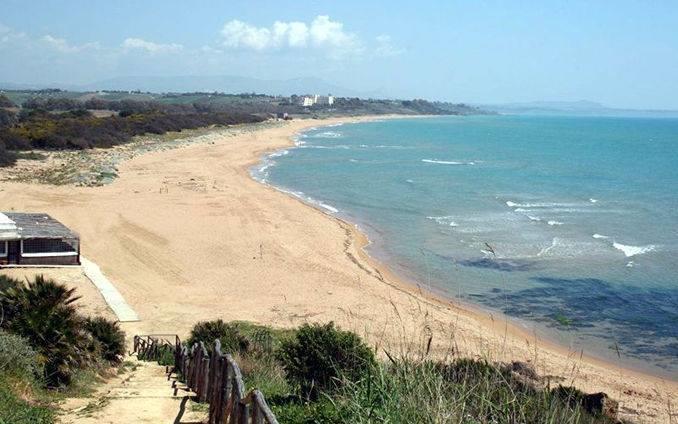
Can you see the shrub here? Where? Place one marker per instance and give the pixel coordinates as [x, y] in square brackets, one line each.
[320, 355]
[18, 359]
[109, 338]
[43, 312]
[229, 334]
[5, 101]
[7, 157]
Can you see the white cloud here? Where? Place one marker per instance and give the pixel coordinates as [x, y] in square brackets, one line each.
[322, 33]
[131, 44]
[385, 47]
[63, 46]
[7, 34]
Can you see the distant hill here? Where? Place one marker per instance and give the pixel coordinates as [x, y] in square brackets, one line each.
[208, 83]
[578, 108]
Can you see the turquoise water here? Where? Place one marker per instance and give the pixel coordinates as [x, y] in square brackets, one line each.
[568, 224]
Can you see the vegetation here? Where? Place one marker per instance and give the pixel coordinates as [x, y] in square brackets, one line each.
[43, 312]
[109, 339]
[35, 127]
[46, 344]
[20, 376]
[350, 385]
[227, 333]
[5, 101]
[320, 355]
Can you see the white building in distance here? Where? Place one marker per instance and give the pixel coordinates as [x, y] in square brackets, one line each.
[317, 100]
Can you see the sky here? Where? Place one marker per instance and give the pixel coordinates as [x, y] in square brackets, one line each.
[620, 53]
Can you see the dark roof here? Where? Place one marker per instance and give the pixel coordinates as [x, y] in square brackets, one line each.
[39, 225]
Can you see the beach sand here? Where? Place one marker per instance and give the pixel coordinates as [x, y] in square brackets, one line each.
[187, 235]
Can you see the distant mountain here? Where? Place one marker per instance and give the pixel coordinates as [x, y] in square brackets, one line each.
[578, 108]
[208, 83]
[223, 83]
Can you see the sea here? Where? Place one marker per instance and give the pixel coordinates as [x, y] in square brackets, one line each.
[566, 225]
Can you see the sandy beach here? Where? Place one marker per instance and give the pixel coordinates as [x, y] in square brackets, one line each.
[187, 235]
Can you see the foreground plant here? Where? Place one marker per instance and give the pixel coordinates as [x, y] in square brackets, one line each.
[319, 355]
[44, 313]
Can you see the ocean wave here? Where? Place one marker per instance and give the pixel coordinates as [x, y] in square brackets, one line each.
[592, 200]
[443, 220]
[308, 199]
[552, 222]
[546, 249]
[279, 153]
[315, 146]
[511, 204]
[328, 134]
[599, 236]
[447, 162]
[630, 251]
[409, 181]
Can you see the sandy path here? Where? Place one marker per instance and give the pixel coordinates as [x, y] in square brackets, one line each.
[187, 235]
[143, 394]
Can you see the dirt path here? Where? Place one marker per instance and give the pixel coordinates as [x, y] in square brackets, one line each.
[143, 394]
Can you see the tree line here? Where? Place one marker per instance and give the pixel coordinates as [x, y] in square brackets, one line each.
[80, 129]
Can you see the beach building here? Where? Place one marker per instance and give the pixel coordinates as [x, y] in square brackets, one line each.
[317, 100]
[307, 101]
[324, 100]
[36, 239]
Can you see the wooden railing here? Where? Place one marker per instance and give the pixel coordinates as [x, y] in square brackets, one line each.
[214, 377]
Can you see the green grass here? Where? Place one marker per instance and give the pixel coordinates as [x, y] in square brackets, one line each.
[403, 390]
[15, 410]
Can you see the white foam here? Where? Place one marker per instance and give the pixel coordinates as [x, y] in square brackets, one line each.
[443, 220]
[545, 250]
[593, 200]
[309, 199]
[328, 207]
[599, 236]
[554, 222]
[328, 134]
[630, 264]
[278, 154]
[511, 204]
[533, 218]
[409, 181]
[630, 251]
[442, 162]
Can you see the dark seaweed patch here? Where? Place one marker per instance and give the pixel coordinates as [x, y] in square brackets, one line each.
[640, 321]
[498, 264]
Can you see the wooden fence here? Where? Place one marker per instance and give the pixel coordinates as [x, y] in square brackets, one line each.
[214, 377]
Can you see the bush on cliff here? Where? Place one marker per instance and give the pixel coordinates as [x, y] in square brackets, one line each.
[319, 356]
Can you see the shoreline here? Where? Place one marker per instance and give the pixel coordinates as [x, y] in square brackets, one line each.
[188, 235]
[399, 282]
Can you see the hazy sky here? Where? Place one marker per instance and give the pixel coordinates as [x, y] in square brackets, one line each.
[620, 53]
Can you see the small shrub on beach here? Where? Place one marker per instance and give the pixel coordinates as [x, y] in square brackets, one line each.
[109, 338]
[229, 334]
[319, 355]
